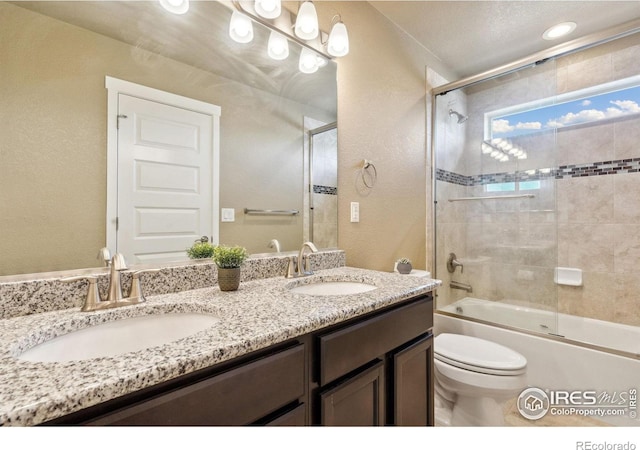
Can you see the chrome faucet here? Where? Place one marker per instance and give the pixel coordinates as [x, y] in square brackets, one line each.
[93, 300]
[118, 264]
[300, 266]
[304, 267]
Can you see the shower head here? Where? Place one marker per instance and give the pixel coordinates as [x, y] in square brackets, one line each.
[461, 118]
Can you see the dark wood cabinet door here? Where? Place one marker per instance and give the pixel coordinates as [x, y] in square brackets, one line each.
[358, 401]
[237, 397]
[413, 384]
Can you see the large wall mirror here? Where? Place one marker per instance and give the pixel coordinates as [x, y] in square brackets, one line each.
[53, 110]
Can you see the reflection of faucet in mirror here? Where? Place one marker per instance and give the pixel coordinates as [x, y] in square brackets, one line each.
[275, 244]
[104, 255]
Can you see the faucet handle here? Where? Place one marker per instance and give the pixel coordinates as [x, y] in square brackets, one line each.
[452, 263]
[292, 267]
[93, 296]
[136, 287]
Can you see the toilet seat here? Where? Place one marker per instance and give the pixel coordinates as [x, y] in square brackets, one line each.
[478, 355]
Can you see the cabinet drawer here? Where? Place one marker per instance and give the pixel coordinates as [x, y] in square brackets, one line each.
[293, 418]
[237, 397]
[348, 348]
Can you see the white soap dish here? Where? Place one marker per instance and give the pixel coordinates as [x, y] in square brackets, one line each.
[568, 276]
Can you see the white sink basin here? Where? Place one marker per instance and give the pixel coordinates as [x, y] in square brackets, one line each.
[119, 336]
[333, 288]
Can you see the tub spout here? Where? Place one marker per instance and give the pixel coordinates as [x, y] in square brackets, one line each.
[461, 286]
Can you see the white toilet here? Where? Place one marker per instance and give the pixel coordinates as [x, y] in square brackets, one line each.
[474, 377]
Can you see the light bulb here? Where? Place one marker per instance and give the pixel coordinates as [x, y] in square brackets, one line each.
[308, 61]
[559, 30]
[307, 22]
[269, 9]
[240, 28]
[175, 6]
[338, 44]
[278, 46]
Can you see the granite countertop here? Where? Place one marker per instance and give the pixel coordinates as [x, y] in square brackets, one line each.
[261, 313]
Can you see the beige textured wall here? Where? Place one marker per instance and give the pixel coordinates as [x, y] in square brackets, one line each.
[382, 118]
[53, 143]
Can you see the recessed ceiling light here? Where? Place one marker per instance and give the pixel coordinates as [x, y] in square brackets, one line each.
[559, 30]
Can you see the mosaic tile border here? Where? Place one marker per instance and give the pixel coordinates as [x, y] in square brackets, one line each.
[328, 190]
[614, 167]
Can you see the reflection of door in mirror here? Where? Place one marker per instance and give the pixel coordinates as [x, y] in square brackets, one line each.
[323, 190]
[165, 175]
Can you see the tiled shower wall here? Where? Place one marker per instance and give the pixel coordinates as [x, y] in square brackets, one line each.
[586, 214]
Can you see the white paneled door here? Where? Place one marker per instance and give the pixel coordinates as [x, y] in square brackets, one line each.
[165, 185]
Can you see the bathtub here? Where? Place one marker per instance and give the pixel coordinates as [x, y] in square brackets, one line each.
[609, 363]
[605, 335]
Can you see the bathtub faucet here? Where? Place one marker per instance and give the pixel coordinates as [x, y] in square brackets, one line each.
[461, 286]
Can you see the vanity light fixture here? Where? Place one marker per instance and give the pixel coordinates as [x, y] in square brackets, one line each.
[308, 61]
[175, 6]
[317, 47]
[559, 30]
[240, 28]
[278, 46]
[307, 27]
[269, 9]
[338, 43]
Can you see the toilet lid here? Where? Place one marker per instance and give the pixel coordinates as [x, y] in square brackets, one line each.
[478, 354]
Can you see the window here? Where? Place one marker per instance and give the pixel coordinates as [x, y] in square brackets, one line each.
[603, 102]
[513, 186]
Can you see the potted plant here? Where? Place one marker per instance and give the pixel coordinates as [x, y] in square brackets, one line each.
[229, 260]
[200, 250]
[404, 266]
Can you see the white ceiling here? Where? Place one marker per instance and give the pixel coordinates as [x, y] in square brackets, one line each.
[471, 37]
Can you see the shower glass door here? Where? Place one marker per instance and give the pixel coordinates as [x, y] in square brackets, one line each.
[495, 193]
[323, 186]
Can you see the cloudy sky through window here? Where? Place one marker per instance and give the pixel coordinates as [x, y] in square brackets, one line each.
[597, 107]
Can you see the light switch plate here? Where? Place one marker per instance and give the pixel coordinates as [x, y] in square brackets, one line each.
[228, 215]
[355, 212]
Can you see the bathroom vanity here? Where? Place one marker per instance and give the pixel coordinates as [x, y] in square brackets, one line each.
[276, 357]
[372, 370]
